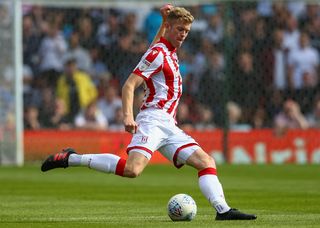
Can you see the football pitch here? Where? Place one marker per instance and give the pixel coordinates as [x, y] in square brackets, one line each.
[280, 195]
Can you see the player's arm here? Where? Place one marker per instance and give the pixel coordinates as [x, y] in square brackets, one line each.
[133, 82]
[164, 10]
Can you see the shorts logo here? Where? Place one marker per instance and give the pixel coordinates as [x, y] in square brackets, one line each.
[144, 139]
[144, 65]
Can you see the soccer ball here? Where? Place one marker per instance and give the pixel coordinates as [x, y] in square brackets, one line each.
[182, 207]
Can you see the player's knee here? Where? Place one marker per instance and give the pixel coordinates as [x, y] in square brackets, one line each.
[132, 171]
[206, 162]
[132, 174]
[201, 161]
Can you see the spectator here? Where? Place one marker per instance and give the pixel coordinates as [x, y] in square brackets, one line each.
[313, 29]
[199, 64]
[183, 117]
[52, 49]
[185, 64]
[214, 31]
[46, 106]
[312, 12]
[110, 103]
[314, 116]
[117, 123]
[274, 104]
[109, 30]
[246, 19]
[91, 118]
[235, 117]
[212, 83]
[247, 88]
[31, 118]
[81, 55]
[75, 88]
[303, 66]
[31, 41]
[99, 70]
[259, 120]
[129, 28]
[86, 33]
[260, 42]
[291, 33]
[38, 14]
[280, 14]
[205, 121]
[27, 77]
[274, 63]
[289, 118]
[121, 58]
[59, 119]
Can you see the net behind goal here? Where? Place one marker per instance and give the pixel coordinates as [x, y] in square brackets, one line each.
[10, 84]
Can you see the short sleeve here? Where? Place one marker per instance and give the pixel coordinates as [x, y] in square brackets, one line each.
[150, 63]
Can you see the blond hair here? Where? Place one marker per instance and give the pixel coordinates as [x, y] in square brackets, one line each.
[180, 14]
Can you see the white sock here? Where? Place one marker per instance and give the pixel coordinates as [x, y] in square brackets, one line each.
[212, 189]
[102, 162]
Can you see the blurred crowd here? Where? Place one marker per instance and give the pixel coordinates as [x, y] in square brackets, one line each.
[255, 64]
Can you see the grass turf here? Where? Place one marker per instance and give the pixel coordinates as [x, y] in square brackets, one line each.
[281, 196]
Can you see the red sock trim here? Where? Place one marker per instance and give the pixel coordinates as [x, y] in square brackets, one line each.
[120, 167]
[207, 171]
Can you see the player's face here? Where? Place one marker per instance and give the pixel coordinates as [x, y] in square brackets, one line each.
[177, 32]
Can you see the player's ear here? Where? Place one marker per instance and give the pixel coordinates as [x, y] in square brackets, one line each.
[167, 25]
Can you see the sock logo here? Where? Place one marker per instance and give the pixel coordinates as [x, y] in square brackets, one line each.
[89, 162]
[219, 208]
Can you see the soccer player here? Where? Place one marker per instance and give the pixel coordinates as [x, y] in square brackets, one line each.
[155, 126]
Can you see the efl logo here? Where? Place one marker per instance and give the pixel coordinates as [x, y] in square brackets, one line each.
[144, 139]
[144, 65]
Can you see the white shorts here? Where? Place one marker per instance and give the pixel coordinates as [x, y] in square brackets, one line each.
[157, 131]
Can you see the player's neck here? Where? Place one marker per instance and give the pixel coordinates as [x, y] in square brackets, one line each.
[166, 40]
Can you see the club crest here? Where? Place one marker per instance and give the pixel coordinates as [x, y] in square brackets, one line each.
[144, 139]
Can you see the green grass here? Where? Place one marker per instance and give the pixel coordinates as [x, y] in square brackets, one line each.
[281, 196]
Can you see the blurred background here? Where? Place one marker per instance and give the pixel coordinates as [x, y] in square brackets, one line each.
[250, 77]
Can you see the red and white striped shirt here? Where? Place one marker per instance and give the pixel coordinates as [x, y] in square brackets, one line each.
[163, 83]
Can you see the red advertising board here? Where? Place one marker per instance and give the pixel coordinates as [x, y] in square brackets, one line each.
[256, 146]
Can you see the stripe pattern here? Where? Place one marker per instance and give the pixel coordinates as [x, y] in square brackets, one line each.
[163, 83]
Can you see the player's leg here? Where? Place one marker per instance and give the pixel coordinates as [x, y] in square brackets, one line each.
[182, 149]
[135, 164]
[211, 187]
[108, 163]
[208, 180]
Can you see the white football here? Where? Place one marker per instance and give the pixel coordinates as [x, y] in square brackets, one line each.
[182, 207]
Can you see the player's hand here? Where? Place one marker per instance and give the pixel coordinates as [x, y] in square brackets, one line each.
[130, 125]
[164, 10]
